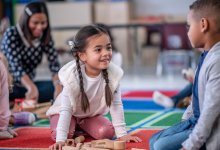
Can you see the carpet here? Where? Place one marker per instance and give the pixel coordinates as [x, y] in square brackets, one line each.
[142, 116]
[39, 138]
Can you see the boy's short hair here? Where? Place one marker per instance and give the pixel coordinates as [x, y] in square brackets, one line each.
[207, 9]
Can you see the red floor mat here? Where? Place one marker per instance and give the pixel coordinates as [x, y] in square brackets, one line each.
[146, 94]
[31, 137]
[145, 135]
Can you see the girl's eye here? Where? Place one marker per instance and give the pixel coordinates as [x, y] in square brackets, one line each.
[98, 49]
[109, 48]
[43, 23]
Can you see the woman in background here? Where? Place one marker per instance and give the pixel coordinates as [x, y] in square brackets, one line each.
[24, 46]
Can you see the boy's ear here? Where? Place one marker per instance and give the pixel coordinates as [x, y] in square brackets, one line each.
[204, 24]
[82, 56]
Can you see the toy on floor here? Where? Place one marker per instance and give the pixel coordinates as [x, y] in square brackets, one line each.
[39, 109]
[105, 144]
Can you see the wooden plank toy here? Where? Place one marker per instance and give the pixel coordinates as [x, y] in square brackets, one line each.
[109, 144]
[69, 148]
[106, 143]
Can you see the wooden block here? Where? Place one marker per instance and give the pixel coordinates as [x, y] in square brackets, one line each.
[93, 148]
[79, 145]
[79, 139]
[70, 142]
[69, 148]
[87, 144]
[106, 143]
[119, 145]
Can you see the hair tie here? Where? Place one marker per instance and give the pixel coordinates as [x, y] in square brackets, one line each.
[28, 11]
[71, 44]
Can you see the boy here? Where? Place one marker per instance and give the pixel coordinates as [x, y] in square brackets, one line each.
[200, 128]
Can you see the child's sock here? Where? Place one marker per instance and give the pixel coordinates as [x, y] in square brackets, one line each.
[12, 132]
[23, 118]
[5, 135]
[162, 100]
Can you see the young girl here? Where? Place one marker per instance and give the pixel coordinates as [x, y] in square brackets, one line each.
[6, 117]
[91, 90]
[5, 113]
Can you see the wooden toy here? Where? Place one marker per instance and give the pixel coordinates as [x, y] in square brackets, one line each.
[104, 144]
[79, 139]
[109, 144]
[69, 148]
[119, 145]
[70, 142]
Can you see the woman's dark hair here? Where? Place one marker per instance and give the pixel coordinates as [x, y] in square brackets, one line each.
[79, 45]
[29, 10]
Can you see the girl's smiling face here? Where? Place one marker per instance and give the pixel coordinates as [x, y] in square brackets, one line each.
[97, 54]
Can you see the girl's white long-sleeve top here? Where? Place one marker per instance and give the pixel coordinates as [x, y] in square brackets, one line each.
[68, 103]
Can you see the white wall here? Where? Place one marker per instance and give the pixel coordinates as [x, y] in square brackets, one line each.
[161, 7]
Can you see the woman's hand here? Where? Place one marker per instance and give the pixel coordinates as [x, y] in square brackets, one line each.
[57, 146]
[129, 138]
[32, 92]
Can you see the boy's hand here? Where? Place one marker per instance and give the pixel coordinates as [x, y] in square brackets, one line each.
[129, 138]
[57, 146]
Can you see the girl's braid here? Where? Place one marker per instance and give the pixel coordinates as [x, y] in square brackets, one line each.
[84, 98]
[108, 92]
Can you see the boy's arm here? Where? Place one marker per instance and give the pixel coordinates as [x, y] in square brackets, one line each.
[210, 111]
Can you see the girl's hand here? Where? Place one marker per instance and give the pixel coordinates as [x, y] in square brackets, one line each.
[57, 146]
[129, 138]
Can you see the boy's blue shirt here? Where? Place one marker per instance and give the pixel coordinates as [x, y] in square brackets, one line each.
[195, 102]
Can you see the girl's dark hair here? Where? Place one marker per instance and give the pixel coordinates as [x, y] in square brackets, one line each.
[107, 28]
[29, 10]
[80, 42]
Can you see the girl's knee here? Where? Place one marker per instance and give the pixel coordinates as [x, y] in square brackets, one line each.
[106, 132]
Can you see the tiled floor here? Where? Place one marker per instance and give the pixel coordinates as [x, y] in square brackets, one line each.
[135, 77]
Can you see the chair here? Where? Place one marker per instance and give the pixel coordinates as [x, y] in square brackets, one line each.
[175, 49]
